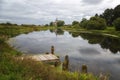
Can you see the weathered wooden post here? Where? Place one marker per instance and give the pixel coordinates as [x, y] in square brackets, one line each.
[84, 68]
[47, 53]
[67, 61]
[56, 64]
[52, 49]
[65, 65]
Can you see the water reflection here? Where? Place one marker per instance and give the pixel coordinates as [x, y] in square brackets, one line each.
[106, 42]
[57, 31]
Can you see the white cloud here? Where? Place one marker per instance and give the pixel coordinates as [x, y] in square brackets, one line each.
[44, 11]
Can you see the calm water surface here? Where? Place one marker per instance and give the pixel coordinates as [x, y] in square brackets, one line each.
[100, 54]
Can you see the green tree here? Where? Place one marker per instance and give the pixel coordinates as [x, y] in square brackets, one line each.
[108, 16]
[46, 25]
[9, 24]
[60, 23]
[116, 23]
[83, 23]
[51, 24]
[96, 23]
[74, 23]
[96, 15]
[116, 12]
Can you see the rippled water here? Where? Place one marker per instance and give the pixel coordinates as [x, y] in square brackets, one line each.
[81, 50]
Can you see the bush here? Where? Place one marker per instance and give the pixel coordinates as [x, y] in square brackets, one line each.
[96, 23]
[83, 23]
[116, 23]
[60, 23]
[76, 26]
[74, 23]
[92, 24]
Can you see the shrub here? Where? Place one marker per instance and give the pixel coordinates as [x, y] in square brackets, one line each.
[60, 23]
[116, 23]
[76, 26]
[96, 23]
[74, 23]
[83, 23]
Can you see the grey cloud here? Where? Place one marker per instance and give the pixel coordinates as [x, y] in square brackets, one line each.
[45, 11]
[92, 1]
[1, 3]
[21, 20]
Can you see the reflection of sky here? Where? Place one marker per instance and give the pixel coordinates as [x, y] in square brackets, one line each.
[78, 49]
[40, 42]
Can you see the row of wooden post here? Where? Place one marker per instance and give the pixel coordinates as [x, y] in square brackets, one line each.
[65, 65]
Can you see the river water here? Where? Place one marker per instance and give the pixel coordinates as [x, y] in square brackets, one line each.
[100, 53]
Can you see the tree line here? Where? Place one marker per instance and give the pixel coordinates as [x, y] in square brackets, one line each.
[110, 17]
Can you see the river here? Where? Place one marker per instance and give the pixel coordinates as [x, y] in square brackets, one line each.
[100, 53]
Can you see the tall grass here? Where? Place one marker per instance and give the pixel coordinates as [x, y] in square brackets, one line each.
[12, 68]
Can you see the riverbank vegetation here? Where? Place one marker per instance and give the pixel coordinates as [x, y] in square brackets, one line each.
[28, 69]
[107, 23]
[12, 68]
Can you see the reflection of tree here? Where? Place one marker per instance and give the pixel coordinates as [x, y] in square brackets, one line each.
[58, 31]
[51, 30]
[75, 34]
[92, 38]
[111, 43]
[106, 42]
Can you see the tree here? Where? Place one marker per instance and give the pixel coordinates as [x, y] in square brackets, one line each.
[96, 23]
[96, 15]
[83, 23]
[74, 23]
[116, 23]
[108, 16]
[116, 12]
[101, 16]
[46, 25]
[92, 24]
[51, 23]
[111, 14]
[8, 23]
[60, 23]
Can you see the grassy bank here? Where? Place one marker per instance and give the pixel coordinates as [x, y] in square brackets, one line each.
[110, 31]
[27, 69]
[12, 68]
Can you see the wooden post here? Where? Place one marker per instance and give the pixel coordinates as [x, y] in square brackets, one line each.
[84, 68]
[56, 64]
[47, 53]
[65, 65]
[52, 49]
[67, 61]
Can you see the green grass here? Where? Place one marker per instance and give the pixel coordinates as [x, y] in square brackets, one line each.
[28, 69]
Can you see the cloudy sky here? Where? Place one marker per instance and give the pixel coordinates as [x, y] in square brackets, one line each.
[45, 11]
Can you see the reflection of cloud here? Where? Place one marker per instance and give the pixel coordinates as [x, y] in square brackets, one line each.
[89, 51]
[44, 11]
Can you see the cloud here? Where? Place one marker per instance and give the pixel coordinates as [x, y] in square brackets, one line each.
[93, 2]
[45, 11]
